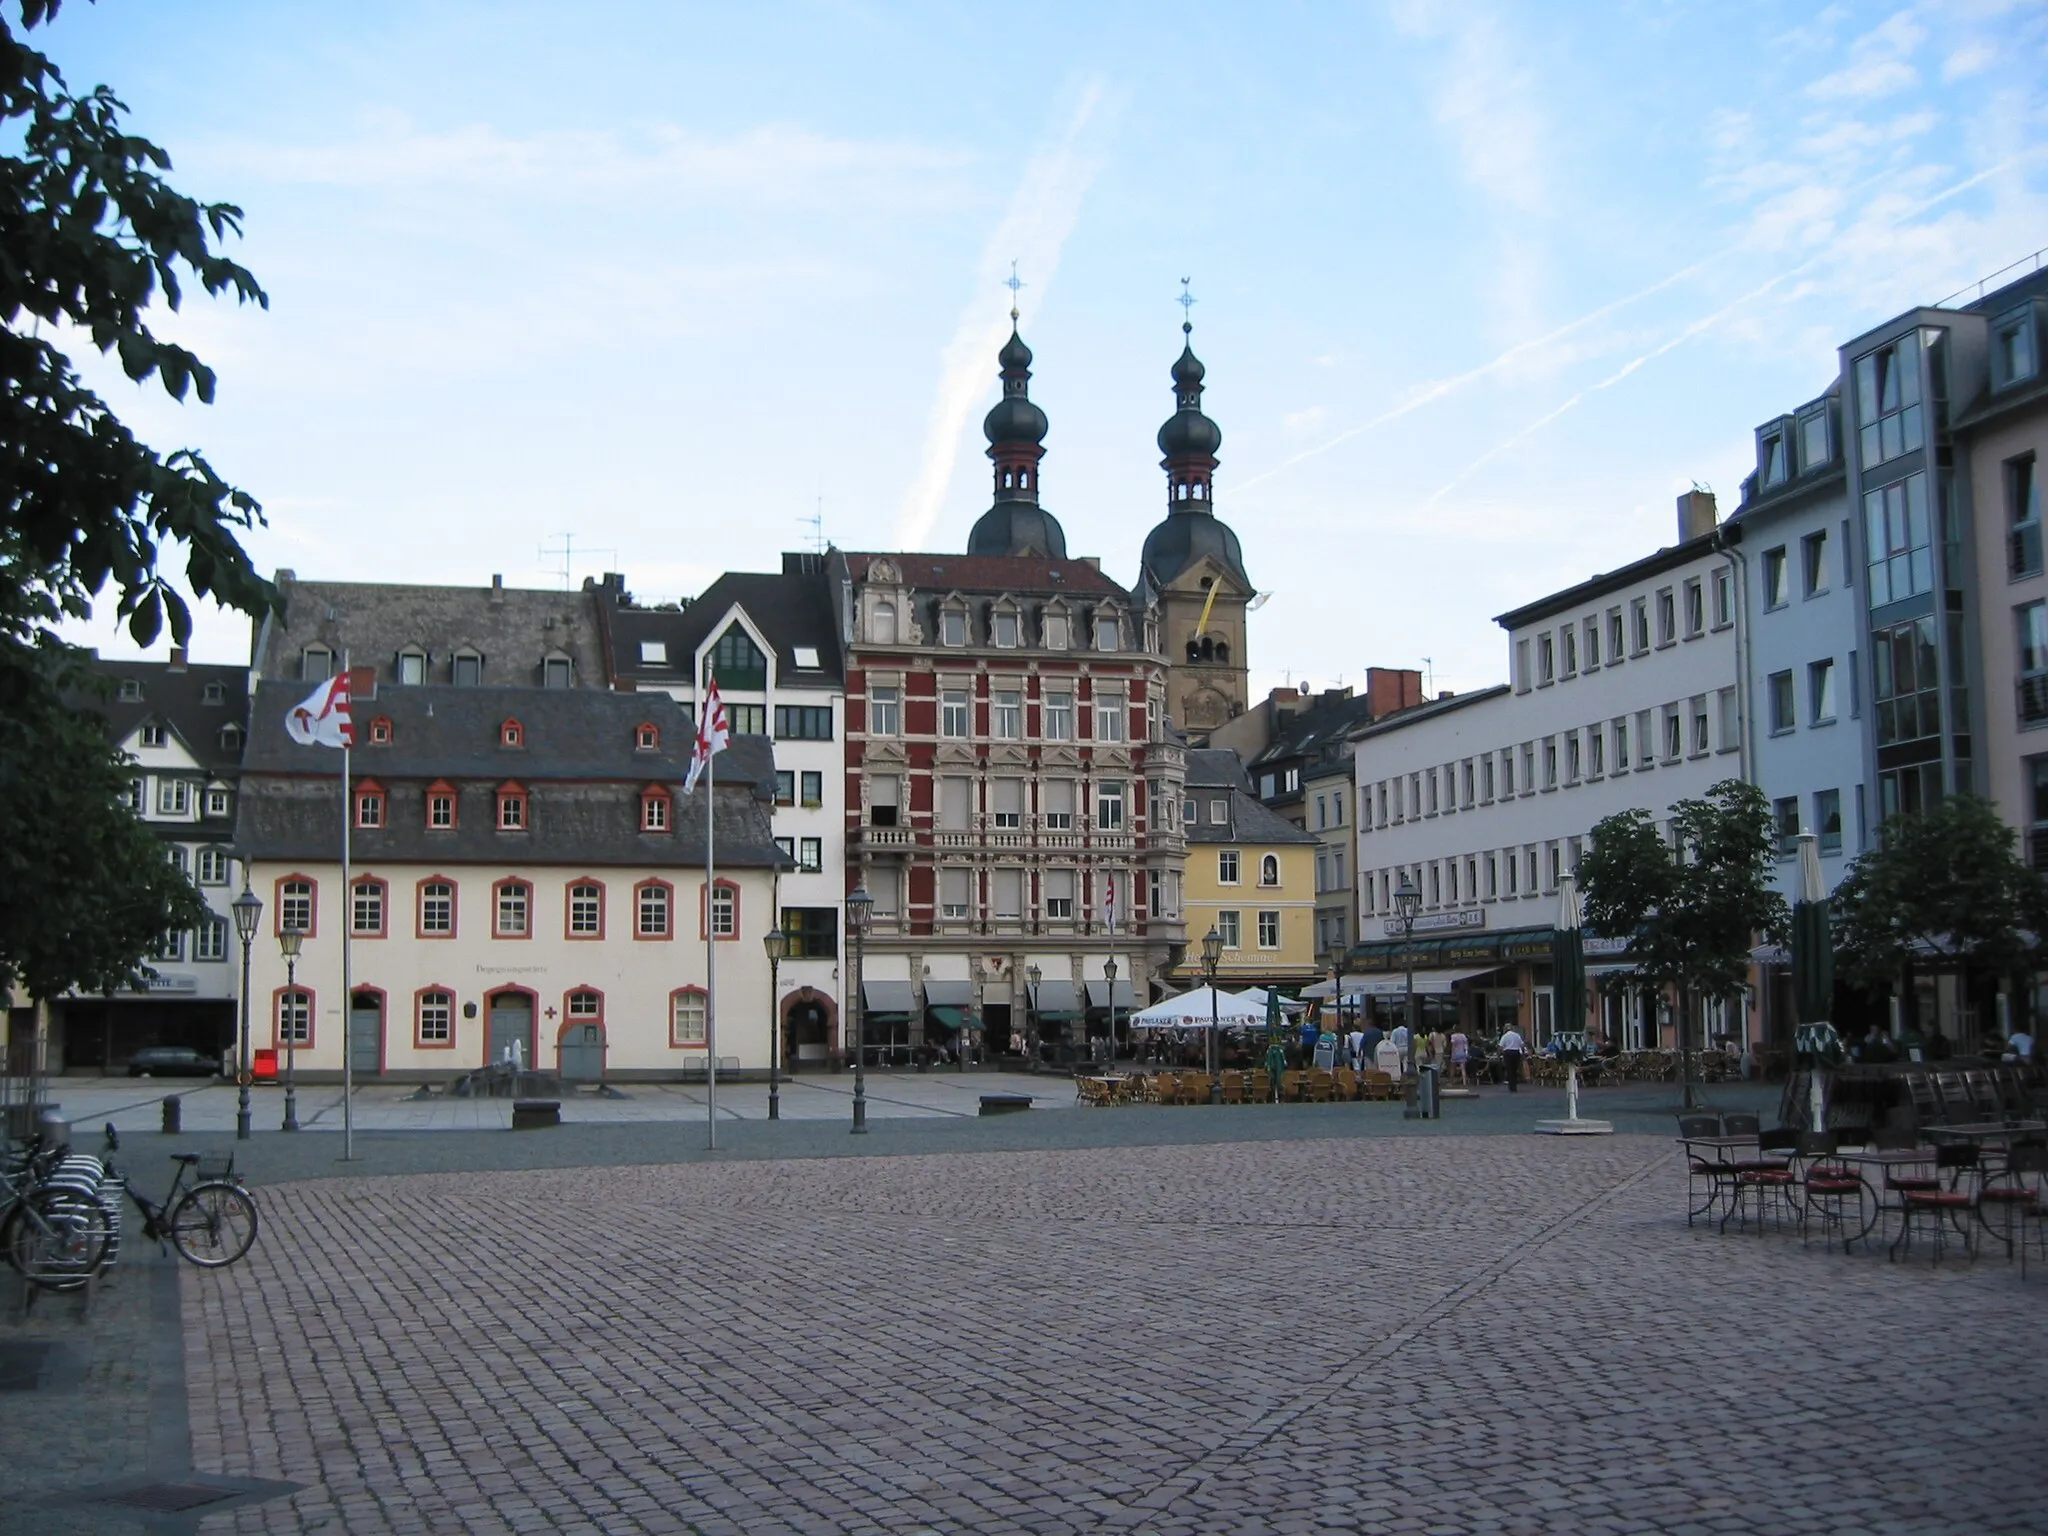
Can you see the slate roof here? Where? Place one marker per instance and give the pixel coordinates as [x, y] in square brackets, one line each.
[513, 628]
[178, 699]
[993, 574]
[1324, 726]
[1212, 768]
[580, 767]
[791, 608]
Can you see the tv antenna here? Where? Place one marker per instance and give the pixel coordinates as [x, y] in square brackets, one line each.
[1429, 672]
[567, 555]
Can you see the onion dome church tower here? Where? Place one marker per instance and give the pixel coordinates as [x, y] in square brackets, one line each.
[1015, 524]
[1192, 566]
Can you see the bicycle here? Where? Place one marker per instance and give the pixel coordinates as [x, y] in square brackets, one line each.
[212, 1225]
[59, 1226]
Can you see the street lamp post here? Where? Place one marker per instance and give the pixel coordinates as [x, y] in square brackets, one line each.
[248, 910]
[776, 942]
[1212, 956]
[1337, 994]
[1407, 902]
[1109, 975]
[288, 942]
[860, 907]
[1032, 977]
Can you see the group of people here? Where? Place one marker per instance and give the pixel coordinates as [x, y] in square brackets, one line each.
[1369, 1048]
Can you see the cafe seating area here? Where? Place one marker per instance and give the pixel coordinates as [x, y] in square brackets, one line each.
[1311, 1085]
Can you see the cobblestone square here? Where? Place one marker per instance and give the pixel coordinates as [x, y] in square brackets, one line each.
[1451, 1334]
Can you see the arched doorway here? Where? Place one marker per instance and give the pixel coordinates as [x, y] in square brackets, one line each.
[810, 1030]
[366, 1032]
[579, 1051]
[510, 1020]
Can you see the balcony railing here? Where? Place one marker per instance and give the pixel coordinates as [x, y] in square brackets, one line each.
[2033, 698]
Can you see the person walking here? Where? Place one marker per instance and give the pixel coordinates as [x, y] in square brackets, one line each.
[1512, 1047]
[1461, 1056]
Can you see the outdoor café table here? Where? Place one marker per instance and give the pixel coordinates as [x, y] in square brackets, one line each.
[1723, 1148]
[1886, 1159]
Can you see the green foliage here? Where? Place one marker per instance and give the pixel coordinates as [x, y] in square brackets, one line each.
[1691, 908]
[1949, 879]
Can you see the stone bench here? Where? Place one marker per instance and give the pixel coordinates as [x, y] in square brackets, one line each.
[535, 1114]
[1005, 1103]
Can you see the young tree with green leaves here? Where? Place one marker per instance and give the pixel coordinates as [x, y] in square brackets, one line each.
[91, 238]
[1691, 907]
[1946, 881]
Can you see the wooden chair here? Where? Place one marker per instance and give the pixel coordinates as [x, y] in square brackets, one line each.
[1347, 1084]
[1321, 1087]
[1233, 1087]
[1261, 1086]
[1165, 1089]
[1194, 1087]
[1378, 1086]
[1094, 1092]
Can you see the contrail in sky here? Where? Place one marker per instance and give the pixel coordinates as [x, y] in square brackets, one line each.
[1034, 228]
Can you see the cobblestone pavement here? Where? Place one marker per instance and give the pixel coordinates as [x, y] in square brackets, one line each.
[1457, 1334]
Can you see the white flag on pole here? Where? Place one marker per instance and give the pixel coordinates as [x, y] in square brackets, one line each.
[713, 735]
[323, 719]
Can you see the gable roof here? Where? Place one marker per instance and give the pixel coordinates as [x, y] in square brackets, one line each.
[1213, 769]
[177, 697]
[792, 610]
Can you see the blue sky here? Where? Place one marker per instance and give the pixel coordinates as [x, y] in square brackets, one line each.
[1481, 288]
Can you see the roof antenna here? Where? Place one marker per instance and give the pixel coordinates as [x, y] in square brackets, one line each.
[1429, 671]
[1187, 302]
[1013, 285]
[568, 555]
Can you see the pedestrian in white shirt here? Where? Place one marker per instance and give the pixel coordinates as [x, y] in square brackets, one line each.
[2019, 1045]
[1512, 1049]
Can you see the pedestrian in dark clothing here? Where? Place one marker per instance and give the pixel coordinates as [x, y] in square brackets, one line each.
[1512, 1047]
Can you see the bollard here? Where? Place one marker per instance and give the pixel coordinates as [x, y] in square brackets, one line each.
[53, 1127]
[174, 1115]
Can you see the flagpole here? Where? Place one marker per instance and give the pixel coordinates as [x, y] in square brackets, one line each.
[348, 1124]
[711, 939]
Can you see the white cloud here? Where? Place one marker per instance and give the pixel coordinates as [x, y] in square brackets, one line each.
[1970, 59]
[1303, 421]
[1877, 62]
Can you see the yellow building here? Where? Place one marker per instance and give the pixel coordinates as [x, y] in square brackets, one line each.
[1251, 876]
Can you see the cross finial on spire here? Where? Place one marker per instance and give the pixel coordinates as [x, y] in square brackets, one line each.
[1013, 284]
[1186, 301]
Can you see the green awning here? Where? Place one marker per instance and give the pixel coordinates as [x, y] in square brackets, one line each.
[952, 1018]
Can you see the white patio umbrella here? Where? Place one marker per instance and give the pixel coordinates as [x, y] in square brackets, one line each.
[1196, 1009]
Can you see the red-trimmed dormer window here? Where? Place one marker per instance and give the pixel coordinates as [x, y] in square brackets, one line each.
[647, 737]
[380, 732]
[512, 809]
[654, 809]
[511, 734]
[441, 803]
[371, 804]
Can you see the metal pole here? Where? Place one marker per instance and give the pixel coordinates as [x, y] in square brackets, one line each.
[242, 1076]
[774, 1039]
[1409, 1110]
[860, 1046]
[291, 1053]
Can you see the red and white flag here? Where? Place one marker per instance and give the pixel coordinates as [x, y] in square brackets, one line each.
[714, 735]
[1109, 902]
[323, 720]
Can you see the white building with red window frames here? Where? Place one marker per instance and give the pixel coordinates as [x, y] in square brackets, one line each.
[526, 875]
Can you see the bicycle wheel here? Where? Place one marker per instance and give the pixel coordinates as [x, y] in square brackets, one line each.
[214, 1224]
[57, 1242]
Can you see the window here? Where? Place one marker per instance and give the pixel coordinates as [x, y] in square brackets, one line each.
[369, 805]
[1269, 869]
[646, 737]
[953, 627]
[1820, 690]
[1785, 822]
[1827, 819]
[1900, 549]
[810, 857]
[380, 731]
[1057, 632]
[1813, 563]
[1596, 752]
[216, 800]
[884, 717]
[1059, 805]
[653, 653]
[1639, 621]
[295, 905]
[884, 798]
[1059, 895]
[1667, 618]
[1771, 459]
[1003, 630]
[556, 672]
[1188, 812]
[1513, 866]
[654, 809]
[153, 734]
[294, 1017]
[725, 910]
[1888, 400]
[1572, 764]
[1621, 745]
[1816, 445]
[1568, 639]
[440, 807]
[437, 909]
[1697, 707]
[1546, 660]
[1269, 930]
[412, 668]
[468, 669]
[1227, 929]
[1109, 806]
[1059, 717]
[882, 628]
[1006, 803]
[1695, 609]
[1731, 720]
[176, 856]
[1674, 734]
[813, 787]
[1783, 715]
[1006, 893]
[785, 786]
[1486, 779]
[366, 909]
[2023, 514]
[1550, 762]
[131, 691]
[1906, 684]
[1528, 768]
[2012, 349]
[210, 939]
[2031, 624]
[1646, 743]
[1219, 813]
[1507, 773]
[1008, 715]
[1107, 632]
[737, 662]
[651, 911]
[213, 866]
[803, 722]
[1524, 678]
[316, 664]
[688, 1009]
[747, 719]
[955, 891]
[434, 1018]
[953, 713]
[813, 932]
[1226, 866]
[511, 808]
[586, 910]
[174, 797]
[514, 903]
[1109, 717]
[1722, 610]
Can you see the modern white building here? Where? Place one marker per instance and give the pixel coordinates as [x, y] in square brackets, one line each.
[1625, 693]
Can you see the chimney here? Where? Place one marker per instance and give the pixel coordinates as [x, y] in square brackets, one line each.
[497, 589]
[177, 658]
[1392, 688]
[1696, 515]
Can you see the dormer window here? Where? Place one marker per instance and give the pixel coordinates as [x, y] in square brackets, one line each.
[512, 808]
[1772, 468]
[953, 627]
[441, 806]
[153, 734]
[131, 691]
[654, 809]
[646, 737]
[2014, 356]
[512, 734]
[806, 657]
[214, 693]
[1816, 440]
[1107, 632]
[380, 731]
[316, 664]
[738, 662]
[412, 667]
[1003, 630]
[469, 668]
[653, 653]
[882, 631]
[556, 672]
[370, 804]
[1057, 633]
[231, 737]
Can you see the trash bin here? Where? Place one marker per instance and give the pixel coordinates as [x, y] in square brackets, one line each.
[1427, 1081]
[174, 1115]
